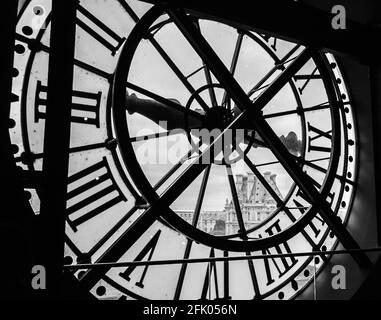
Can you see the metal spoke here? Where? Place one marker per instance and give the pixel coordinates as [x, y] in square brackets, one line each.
[177, 71]
[320, 106]
[170, 103]
[242, 227]
[278, 66]
[263, 181]
[234, 61]
[196, 216]
[196, 71]
[176, 167]
[321, 169]
[236, 203]
[111, 232]
[212, 93]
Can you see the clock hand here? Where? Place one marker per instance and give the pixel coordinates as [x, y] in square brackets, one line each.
[171, 118]
[172, 113]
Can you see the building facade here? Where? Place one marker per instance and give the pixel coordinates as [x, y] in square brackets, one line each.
[256, 205]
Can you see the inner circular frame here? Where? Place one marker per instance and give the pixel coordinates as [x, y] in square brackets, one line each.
[136, 173]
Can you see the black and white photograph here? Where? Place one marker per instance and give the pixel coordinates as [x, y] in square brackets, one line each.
[186, 157]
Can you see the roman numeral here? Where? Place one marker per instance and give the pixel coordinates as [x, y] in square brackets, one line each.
[311, 224]
[211, 276]
[282, 265]
[83, 183]
[306, 78]
[99, 31]
[85, 106]
[268, 40]
[316, 231]
[330, 196]
[147, 250]
[318, 135]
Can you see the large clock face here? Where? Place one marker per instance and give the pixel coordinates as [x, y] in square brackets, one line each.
[190, 138]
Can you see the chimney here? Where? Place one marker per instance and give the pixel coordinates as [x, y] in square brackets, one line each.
[239, 183]
[250, 184]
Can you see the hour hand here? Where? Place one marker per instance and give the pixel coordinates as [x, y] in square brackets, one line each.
[170, 114]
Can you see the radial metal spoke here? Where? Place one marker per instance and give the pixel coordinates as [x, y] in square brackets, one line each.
[195, 219]
[321, 169]
[253, 111]
[264, 182]
[234, 61]
[212, 93]
[278, 66]
[177, 71]
[111, 232]
[236, 202]
[208, 76]
[173, 169]
[170, 103]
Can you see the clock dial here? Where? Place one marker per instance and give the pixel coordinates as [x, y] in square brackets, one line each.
[191, 139]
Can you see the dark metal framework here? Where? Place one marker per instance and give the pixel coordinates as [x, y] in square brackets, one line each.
[57, 147]
[57, 141]
[356, 41]
[16, 215]
[217, 67]
[159, 205]
[186, 260]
